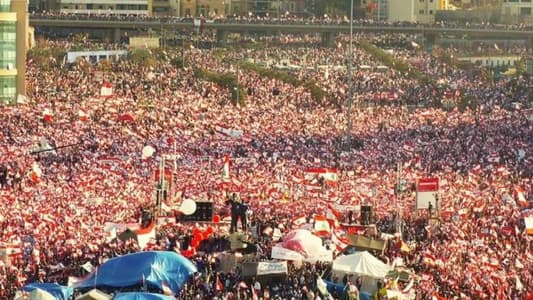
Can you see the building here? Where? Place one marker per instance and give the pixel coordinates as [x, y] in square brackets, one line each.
[422, 11]
[517, 11]
[119, 7]
[205, 8]
[13, 45]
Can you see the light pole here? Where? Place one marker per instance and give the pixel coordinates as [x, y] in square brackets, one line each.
[350, 92]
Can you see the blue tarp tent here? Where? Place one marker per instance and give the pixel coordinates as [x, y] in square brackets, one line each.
[58, 291]
[155, 268]
[141, 296]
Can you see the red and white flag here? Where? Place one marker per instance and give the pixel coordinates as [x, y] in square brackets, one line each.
[321, 226]
[144, 235]
[225, 169]
[299, 221]
[106, 90]
[83, 116]
[333, 216]
[520, 198]
[340, 242]
[329, 174]
[48, 116]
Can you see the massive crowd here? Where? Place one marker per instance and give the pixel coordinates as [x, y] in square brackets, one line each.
[282, 18]
[56, 203]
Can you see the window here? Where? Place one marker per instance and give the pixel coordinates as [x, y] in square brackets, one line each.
[8, 89]
[430, 12]
[525, 11]
[5, 5]
[421, 12]
[8, 44]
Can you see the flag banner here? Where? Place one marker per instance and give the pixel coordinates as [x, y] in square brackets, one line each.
[279, 252]
[267, 268]
[520, 198]
[340, 243]
[529, 225]
[299, 221]
[329, 174]
[321, 226]
[83, 116]
[427, 190]
[106, 90]
[144, 235]
[229, 132]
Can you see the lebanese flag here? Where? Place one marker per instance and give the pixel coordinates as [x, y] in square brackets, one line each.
[429, 259]
[144, 235]
[225, 168]
[340, 242]
[299, 221]
[166, 289]
[329, 174]
[520, 198]
[321, 226]
[333, 216]
[83, 116]
[494, 262]
[48, 116]
[106, 90]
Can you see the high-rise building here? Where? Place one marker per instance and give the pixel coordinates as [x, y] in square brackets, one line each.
[13, 44]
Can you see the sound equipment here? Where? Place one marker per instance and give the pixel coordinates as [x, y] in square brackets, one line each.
[367, 215]
[203, 213]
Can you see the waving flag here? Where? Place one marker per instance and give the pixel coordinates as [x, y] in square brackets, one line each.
[329, 174]
[225, 169]
[144, 235]
[106, 90]
[321, 226]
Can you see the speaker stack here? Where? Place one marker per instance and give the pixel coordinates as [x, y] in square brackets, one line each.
[366, 215]
[203, 213]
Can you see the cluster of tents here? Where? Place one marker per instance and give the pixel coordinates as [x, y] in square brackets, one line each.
[162, 271]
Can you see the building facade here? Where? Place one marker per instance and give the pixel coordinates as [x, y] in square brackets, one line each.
[422, 11]
[13, 45]
[119, 7]
[515, 11]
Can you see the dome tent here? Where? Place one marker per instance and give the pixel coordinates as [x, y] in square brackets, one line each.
[361, 263]
[154, 268]
[55, 290]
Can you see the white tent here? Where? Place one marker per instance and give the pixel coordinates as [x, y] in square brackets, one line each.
[94, 294]
[38, 294]
[362, 264]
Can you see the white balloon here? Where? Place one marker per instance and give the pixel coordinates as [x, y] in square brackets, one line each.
[147, 151]
[188, 207]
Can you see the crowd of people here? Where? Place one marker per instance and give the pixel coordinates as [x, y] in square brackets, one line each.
[283, 18]
[72, 161]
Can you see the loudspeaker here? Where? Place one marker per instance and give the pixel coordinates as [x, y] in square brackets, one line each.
[366, 214]
[203, 213]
